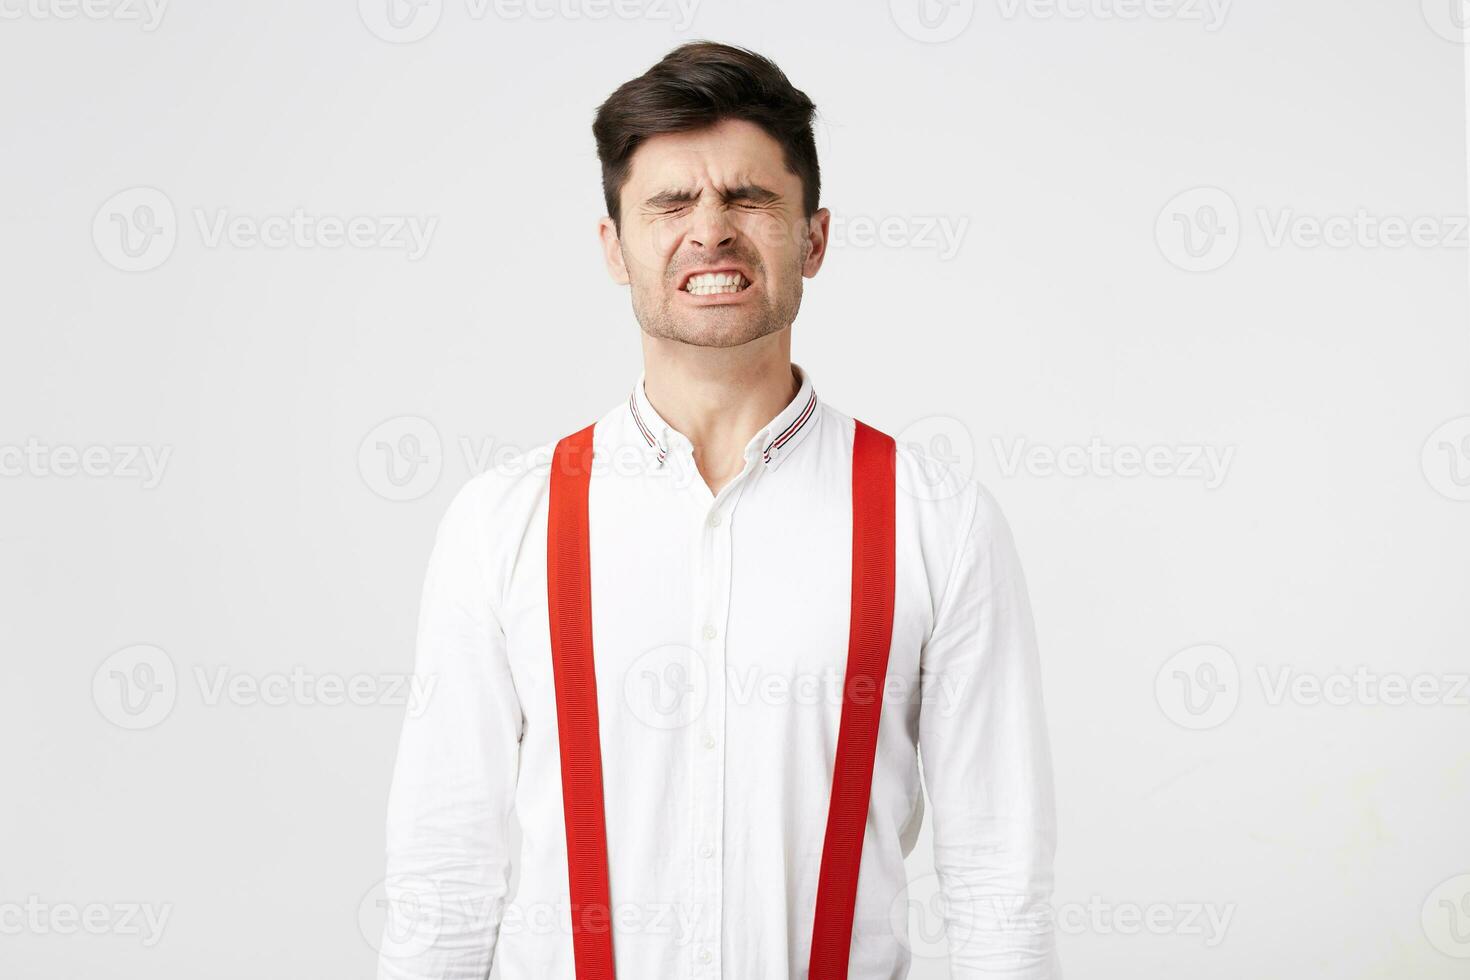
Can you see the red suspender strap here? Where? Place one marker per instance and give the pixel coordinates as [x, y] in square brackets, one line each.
[869, 638]
[569, 592]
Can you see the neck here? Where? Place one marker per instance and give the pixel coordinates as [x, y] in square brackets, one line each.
[719, 397]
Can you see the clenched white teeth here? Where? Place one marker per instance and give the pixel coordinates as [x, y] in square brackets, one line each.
[710, 283]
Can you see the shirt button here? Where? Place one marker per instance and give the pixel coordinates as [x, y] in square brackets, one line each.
[710, 632]
[704, 955]
[706, 851]
[709, 741]
[715, 519]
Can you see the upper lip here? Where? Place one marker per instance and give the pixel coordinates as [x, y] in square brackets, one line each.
[684, 279]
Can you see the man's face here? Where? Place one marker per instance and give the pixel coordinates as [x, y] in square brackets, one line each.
[713, 241]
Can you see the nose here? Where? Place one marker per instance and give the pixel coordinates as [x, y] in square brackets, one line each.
[712, 227]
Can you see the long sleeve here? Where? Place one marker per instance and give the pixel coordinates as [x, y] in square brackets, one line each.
[455, 776]
[987, 760]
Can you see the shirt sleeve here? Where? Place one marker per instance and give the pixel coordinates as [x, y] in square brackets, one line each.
[448, 840]
[987, 760]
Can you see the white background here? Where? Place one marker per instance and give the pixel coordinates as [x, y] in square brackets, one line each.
[1052, 144]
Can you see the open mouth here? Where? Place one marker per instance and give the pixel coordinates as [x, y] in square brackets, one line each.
[715, 283]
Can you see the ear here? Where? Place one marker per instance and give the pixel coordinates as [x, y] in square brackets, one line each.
[612, 251]
[817, 228]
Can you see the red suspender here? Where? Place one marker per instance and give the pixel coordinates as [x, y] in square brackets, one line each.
[870, 634]
[569, 591]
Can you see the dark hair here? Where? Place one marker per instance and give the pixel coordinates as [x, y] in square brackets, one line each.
[697, 85]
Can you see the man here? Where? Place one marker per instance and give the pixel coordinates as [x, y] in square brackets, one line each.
[654, 650]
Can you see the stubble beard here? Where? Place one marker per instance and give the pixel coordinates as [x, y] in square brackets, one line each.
[716, 325]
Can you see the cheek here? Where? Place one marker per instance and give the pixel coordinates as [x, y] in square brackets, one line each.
[646, 252]
[777, 241]
[663, 238]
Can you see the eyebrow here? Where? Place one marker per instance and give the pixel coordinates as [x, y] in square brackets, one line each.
[754, 193]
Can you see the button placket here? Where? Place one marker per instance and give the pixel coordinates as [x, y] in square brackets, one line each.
[714, 581]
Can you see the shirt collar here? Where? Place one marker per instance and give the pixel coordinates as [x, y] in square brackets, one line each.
[775, 440]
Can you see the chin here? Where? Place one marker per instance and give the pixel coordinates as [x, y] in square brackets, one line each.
[715, 331]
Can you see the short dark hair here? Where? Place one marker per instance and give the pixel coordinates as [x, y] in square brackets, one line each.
[697, 85]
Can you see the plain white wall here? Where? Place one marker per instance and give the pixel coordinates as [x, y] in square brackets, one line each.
[1076, 229]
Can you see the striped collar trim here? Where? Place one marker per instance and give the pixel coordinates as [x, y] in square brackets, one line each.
[660, 448]
[784, 436]
[774, 441]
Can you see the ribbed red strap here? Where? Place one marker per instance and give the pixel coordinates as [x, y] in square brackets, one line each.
[569, 594]
[869, 638]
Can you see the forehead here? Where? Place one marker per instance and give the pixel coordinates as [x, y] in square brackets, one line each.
[733, 151]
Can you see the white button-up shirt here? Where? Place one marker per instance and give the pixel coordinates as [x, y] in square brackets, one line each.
[720, 625]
